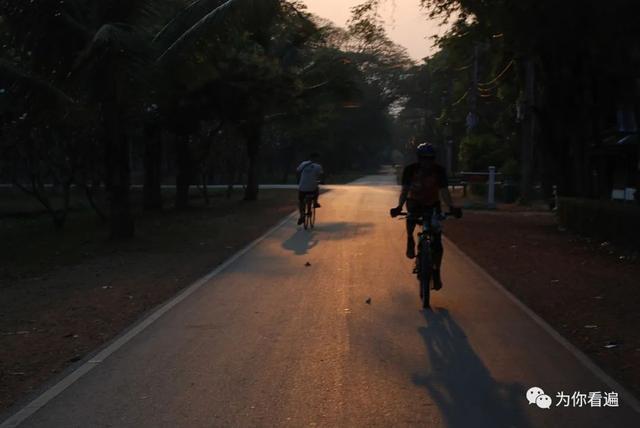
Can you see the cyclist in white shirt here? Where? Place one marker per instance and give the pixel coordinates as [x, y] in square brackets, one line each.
[310, 174]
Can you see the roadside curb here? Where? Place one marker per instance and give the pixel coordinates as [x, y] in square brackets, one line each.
[627, 397]
[114, 345]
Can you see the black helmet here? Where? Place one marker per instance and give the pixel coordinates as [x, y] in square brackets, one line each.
[426, 150]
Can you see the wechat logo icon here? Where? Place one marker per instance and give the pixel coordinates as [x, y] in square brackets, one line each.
[537, 396]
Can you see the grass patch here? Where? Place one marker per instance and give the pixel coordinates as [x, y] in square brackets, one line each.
[33, 247]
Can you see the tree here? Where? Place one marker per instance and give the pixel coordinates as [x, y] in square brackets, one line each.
[569, 79]
[272, 76]
[118, 59]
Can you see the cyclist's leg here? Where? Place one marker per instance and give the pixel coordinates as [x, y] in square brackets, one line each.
[437, 249]
[411, 227]
[437, 252]
[315, 198]
[301, 206]
[436, 243]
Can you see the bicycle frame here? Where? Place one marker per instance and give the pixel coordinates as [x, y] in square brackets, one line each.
[309, 212]
[430, 223]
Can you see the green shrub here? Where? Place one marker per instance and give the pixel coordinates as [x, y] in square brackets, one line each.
[604, 220]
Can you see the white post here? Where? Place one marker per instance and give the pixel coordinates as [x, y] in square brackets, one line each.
[492, 188]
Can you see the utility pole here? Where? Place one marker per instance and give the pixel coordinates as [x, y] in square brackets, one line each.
[449, 149]
[491, 192]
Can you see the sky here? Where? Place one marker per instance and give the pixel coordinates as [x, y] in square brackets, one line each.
[407, 24]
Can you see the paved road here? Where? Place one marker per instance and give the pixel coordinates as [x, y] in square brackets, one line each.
[271, 342]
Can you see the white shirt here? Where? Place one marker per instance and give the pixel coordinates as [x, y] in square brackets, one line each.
[310, 175]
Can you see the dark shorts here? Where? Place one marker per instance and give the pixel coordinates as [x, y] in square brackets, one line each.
[416, 208]
[302, 195]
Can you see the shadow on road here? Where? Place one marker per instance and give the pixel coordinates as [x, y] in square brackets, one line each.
[460, 384]
[302, 240]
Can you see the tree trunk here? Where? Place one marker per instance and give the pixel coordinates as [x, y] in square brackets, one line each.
[152, 192]
[203, 187]
[287, 162]
[231, 178]
[579, 165]
[60, 216]
[90, 194]
[254, 136]
[528, 136]
[118, 180]
[183, 173]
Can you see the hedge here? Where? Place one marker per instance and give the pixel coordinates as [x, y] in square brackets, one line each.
[617, 222]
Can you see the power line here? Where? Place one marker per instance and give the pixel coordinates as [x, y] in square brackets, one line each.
[463, 68]
[499, 76]
[461, 99]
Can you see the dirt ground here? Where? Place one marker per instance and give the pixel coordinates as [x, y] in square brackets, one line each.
[589, 291]
[62, 295]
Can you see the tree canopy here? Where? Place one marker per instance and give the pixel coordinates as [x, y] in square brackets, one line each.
[103, 94]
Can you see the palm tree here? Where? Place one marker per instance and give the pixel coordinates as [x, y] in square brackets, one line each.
[126, 66]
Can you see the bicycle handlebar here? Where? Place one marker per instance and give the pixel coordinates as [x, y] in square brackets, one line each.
[442, 215]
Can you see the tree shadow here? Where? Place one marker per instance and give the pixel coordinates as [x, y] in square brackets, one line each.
[301, 241]
[459, 383]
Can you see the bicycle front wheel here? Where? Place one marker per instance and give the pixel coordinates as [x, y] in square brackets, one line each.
[424, 273]
[307, 214]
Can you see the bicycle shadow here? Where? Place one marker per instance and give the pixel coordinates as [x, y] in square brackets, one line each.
[302, 241]
[459, 383]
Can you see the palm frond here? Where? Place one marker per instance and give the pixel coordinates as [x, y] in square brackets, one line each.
[115, 38]
[10, 72]
[185, 19]
[247, 14]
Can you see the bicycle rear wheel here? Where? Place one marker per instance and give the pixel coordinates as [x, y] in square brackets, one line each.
[424, 273]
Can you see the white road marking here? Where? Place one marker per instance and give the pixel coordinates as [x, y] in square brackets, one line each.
[626, 396]
[39, 402]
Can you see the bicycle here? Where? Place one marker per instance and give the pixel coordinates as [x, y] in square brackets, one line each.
[309, 211]
[431, 224]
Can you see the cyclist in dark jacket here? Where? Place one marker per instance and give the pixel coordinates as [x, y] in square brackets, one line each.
[424, 186]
